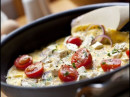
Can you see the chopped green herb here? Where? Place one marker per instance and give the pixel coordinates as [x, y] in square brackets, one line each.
[66, 73]
[49, 78]
[74, 65]
[85, 54]
[56, 66]
[99, 27]
[109, 54]
[115, 51]
[54, 50]
[55, 75]
[103, 63]
[33, 85]
[56, 46]
[98, 55]
[84, 71]
[49, 55]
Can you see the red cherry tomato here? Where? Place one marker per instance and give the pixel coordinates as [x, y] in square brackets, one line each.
[35, 70]
[127, 52]
[109, 64]
[75, 40]
[23, 61]
[82, 57]
[67, 73]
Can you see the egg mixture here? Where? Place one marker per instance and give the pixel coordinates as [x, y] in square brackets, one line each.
[101, 42]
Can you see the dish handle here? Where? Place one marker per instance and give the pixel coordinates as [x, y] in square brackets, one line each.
[118, 82]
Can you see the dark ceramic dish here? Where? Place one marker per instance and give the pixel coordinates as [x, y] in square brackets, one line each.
[36, 35]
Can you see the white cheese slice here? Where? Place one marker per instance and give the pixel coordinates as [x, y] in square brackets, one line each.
[82, 76]
[72, 47]
[97, 45]
[117, 55]
[54, 70]
[82, 73]
[120, 47]
[62, 53]
[81, 70]
[29, 82]
[87, 42]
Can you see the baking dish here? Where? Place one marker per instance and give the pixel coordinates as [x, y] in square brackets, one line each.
[37, 34]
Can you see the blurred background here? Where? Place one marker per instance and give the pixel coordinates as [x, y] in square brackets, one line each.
[20, 12]
[17, 13]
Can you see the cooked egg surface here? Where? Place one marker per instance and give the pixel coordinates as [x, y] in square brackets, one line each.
[58, 53]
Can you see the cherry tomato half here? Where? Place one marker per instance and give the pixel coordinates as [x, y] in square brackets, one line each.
[23, 61]
[127, 52]
[109, 64]
[35, 70]
[67, 73]
[75, 40]
[82, 57]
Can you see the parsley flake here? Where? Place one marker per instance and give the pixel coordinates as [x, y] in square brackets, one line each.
[109, 54]
[66, 73]
[99, 27]
[49, 78]
[54, 50]
[74, 65]
[115, 51]
[103, 63]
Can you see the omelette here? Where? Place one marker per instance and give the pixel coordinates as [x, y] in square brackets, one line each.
[90, 51]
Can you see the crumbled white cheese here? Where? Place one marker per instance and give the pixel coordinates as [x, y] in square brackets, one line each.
[46, 60]
[81, 70]
[82, 76]
[80, 34]
[29, 82]
[46, 52]
[54, 70]
[89, 74]
[117, 55]
[66, 61]
[48, 65]
[51, 56]
[72, 47]
[82, 73]
[46, 75]
[120, 47]
[96, 73]
[56, 82]
[97, 45]
[45, 55]
[87, 42]
[62, 53]
[48, 83]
